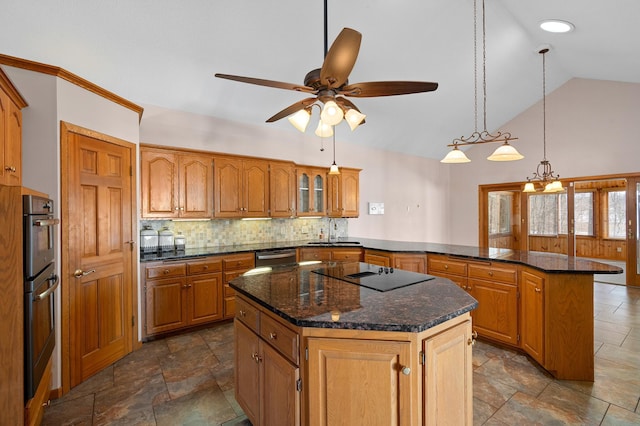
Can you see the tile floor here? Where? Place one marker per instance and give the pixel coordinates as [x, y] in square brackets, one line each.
[188, 380]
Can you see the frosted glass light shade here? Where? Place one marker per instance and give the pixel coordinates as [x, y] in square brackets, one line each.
[334, 170]
[505, 152]
[354, 118]
[555, 186]
[331, 113]
[455, 156]
[300, 120]
[324, 130]
[529, 187]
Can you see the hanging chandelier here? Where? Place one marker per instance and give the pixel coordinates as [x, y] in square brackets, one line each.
[544, 173]
[505, 152]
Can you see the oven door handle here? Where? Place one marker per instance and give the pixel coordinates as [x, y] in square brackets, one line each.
[46, 222]
[50, 290]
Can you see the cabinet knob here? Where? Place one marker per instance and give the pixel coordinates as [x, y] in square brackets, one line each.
[256, 357]
[273, 335]
[405, 370]
[166, 271]
[206, 267]
[47, 403]
[472, 340]
[446, 266]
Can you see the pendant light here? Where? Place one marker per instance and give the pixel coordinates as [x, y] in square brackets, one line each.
[544, 173]
[505, 152]
[334, 170]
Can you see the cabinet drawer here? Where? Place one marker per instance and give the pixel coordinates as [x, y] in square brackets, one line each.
[238, 262]
[492, 273]
[346, 255]
[228, 291]
[280, 337]
[248, 314]
[204, 266]
[315, 254]
[446, 266]
[166, 271]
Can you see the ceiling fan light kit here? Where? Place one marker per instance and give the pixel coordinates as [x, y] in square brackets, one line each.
[505, 152]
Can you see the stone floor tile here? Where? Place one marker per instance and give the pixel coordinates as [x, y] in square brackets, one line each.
[523, 409]
[517, 372]
[185, 341]
[78, 411]
[184, 382]
[96, 383]
[591, 410]
[205, 407]
[482, 411]
[491, 390]
[617, 416]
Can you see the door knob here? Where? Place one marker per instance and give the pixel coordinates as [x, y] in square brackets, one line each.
[79, 273]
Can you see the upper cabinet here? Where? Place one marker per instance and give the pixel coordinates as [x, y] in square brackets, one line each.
[312, 192]
[282, 189]
[344, 193]
[176, 184]
[11, 104]
[241, 187]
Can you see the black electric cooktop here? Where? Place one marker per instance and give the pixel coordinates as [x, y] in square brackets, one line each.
[375, 277]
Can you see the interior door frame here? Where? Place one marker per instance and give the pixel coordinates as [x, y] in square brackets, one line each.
[633, 234]
[66, 129]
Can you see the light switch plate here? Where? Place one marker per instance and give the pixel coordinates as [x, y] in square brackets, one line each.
[376, 208]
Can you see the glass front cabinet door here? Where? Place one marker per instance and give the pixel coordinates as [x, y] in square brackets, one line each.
[311, 192]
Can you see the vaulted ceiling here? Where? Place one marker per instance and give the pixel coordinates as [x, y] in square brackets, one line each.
[165, 53]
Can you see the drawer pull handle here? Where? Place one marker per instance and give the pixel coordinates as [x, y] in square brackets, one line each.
[273, 335]
[538, 290]
[406, 371]
[242, 313]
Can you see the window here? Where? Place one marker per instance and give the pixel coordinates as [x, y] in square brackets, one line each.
[583, 212]
[616, 215]
[500, 212]
[543, 214]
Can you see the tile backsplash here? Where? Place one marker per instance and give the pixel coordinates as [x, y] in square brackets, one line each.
[221, 232]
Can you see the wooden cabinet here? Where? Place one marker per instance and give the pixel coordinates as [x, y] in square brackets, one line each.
[176, 185]
[11, 104]
[443, 266]
[532, 314]
[344, 193]
[339, 254]
[241, 187]
[282, 189]
[267, 380]
[182, 294]
[312, 192]
[415, 262]
[34, 409]
[233, 266]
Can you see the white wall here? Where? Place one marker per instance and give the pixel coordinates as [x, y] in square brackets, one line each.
[592, 126]
[413, 189]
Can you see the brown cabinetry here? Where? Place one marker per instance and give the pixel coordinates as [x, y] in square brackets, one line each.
[344, 193]
[282, 189]
[415, 262]
[182, 294]
[11, 104]
[325, 254]
[312, 191]
[233, 266]
[532, 313]
[241, 187]
[176, 184]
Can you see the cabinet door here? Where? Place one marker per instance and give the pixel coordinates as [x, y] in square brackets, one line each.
[359, 382]
[410, 262]
[377, 258]
[343, 194]
[13, 146]
[447, 380]
[196, 186]
[255, 188]
[205, 298]
[228, 187]
[532, 314]
[247, 371]
[497, 314]
[165, 305]
[280, 399]
[159, 182]
[312, 193]
[282, 190]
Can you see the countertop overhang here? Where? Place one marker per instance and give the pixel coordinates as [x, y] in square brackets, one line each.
[307, 299]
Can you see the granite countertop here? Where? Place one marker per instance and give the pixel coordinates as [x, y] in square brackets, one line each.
[307, 299]
[546, 262]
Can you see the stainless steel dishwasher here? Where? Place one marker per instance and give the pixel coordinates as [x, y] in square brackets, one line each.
[275, 257]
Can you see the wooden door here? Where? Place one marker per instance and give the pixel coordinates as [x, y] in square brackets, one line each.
[204, 298]
[98, 211]
[282, 190]
[228, 187]
[447, 380]
[159, 184]
[166, 306]
[196, 186]
[632, 267]
[280, 399]
[255, 189]
[339, 367]
[532, 314]
[247, 389]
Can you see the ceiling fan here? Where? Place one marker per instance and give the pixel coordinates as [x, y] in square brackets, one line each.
[329, 85]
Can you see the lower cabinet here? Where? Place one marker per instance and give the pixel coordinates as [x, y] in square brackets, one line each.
[532, 312]
[415, 262]
[497, 314]
[324, 254]
[233, 266]
[287, 375]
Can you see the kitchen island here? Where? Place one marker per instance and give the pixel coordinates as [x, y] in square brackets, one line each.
[313, 348]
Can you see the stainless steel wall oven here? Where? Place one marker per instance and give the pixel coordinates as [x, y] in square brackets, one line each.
[40, 282]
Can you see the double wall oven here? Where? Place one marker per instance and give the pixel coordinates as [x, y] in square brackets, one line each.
[40, 282]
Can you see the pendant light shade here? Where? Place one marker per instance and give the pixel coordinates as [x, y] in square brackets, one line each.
[354, 118]
[300, 120]
[553, 187]
[324, 130]
[505, 152]
[334, 170]
[529, 187]
[455, 156]
[331, 113]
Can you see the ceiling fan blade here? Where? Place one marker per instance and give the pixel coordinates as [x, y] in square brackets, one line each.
[292, 108]
[340, 58]
[268, 83]
[386, 88]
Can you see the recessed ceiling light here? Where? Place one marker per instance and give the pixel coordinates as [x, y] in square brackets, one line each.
[556, 26]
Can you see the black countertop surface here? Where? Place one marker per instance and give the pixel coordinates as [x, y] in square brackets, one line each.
[547, 262]
[308, 299]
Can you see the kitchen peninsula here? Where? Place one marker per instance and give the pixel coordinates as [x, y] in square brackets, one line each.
[313, 347]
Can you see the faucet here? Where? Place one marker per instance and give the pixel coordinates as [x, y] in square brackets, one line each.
[332, 232]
